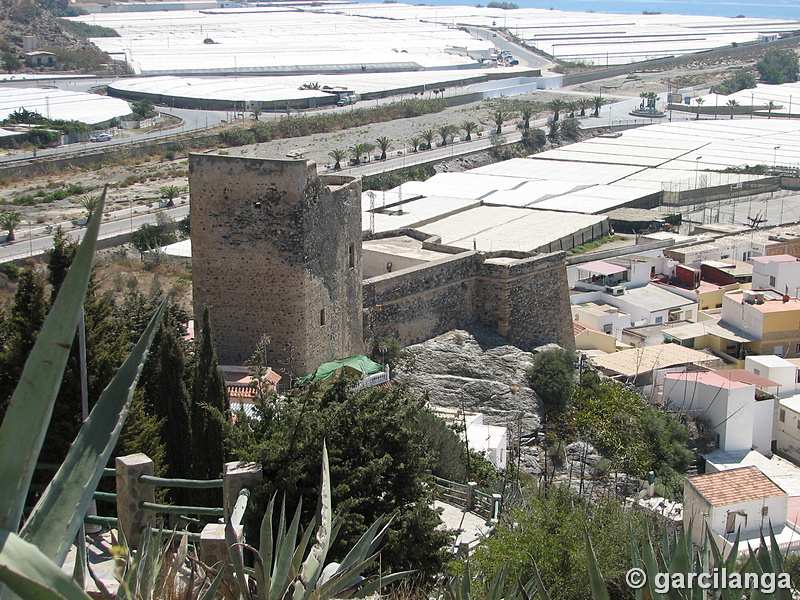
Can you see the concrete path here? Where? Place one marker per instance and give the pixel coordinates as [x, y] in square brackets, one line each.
[471, 527]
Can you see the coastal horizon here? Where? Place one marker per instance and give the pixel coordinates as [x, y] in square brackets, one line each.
[784, 10]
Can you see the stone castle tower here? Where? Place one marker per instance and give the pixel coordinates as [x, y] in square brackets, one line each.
[277, 252]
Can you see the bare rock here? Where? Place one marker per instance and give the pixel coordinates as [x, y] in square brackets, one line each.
[479, 372]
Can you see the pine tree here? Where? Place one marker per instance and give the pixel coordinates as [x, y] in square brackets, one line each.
[209, 407]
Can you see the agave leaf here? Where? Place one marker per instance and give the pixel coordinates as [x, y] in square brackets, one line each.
[367, 541]
[211, 592]
[297, 559]
[58, 515]
[374, 586]
[537, 577]
[466, 583]
[651, 567]
[282, 576]
[235, 553]
[265, 536]
[599, 589]
[312, 566]
[30, 574]
[81, 561]
[496, 587]
[344, 580]
[31, 406]
[636, 557]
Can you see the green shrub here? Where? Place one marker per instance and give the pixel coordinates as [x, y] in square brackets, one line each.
[552, 378]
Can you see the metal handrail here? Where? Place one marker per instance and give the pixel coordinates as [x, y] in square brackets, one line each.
[177, 510]
[181, 483]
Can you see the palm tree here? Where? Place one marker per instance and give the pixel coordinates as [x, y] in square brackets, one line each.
[384, 143]
[89, 203]
[526, 111]
[446, 132]
[428, 136]
[597, 101]
[368, 148]
[469, 127]
[699, 102]
[733, 104]
[356, 151]
[337, 155]
[556, 106]
[256, 113]
[553, 127]
[770, 106]
[583, 104]
[170, 192]
[499, 116]
[650, 99]
[9, 221]
[415, 142]
[572, 106]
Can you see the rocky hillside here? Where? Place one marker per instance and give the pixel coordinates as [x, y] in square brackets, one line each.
[24, 17]
[476, 371]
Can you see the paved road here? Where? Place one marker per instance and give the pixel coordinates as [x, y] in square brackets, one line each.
[35, 241]
[525, 56]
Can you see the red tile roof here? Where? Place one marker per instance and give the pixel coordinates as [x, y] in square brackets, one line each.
[735, 486]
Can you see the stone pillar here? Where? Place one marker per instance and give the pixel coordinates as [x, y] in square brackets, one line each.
[214, 550]
[472, 486]
[130, 493]
[235, 476]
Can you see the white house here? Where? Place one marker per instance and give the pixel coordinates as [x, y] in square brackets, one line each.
[741, 414]
[489, 440]
[647, 305]
[738, 500]
[602, 317]
[776, 369]
[779, 272]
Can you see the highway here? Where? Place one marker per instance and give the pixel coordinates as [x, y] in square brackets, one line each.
[34, 241]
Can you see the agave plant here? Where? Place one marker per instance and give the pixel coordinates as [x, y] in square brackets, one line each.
[281, 573]
[31, 556]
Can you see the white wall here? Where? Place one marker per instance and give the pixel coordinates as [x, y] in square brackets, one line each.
[788, 434]
[764, 430]
[742, 315]
[776, 369]
[786, 274]
[729, 411]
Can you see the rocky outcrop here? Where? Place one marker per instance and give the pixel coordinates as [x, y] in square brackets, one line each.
[24, 17]
[478, 372]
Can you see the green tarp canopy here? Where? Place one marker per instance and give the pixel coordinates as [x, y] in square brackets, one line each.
[355, 365]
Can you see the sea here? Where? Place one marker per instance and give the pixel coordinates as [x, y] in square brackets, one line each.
[766, 9]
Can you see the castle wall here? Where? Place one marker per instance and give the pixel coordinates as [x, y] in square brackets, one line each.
[276, 252]
[420, 302]
[524, 300]
[527, 300]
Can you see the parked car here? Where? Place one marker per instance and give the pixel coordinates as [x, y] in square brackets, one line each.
[100, 137]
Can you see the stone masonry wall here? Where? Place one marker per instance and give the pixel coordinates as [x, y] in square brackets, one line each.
[527, 300]
[421, 302]
[524, 300]
[271, 247]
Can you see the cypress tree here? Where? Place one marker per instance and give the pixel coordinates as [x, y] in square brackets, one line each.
[170, 401]
[209, 407]
[20, 330]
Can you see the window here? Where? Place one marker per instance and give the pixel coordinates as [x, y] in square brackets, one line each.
[764, 511]
[798, 423]
[351, 255]
[659, 319]
[608, 328]
[322, 317]
[778, 350]
[757, 371]
[731, 349]
[797, 349]
[772, 281]
[782, 416]
[688, 315]
[746, 256]
[730, 525]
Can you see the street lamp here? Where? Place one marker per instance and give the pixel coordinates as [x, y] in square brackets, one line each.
[696, 167]
[775, 156]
